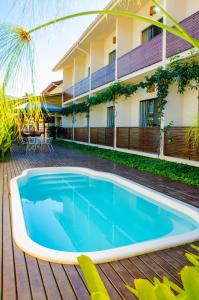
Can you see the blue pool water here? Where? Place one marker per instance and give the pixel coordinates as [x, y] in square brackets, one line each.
[74, 212]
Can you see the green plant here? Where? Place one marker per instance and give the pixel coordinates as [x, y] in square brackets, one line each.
[174, 171]
[13, 118]
[184, 73]
[192, 135]
[145, 290]
[95, 284]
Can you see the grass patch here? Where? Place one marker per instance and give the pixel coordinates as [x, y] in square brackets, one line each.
[174, 171]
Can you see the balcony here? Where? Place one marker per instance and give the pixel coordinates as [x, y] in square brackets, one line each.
[175, 44]
[68, 94]
[141, 57]
[82, 86]
[103, 76]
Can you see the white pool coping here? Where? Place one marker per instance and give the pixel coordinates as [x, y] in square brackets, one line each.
[25, 243]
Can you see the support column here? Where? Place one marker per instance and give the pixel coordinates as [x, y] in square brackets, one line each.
[164, 47]
[73, 122]
[115, 125]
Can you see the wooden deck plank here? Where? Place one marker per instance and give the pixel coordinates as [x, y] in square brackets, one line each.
[77, 283]
[116, 280]
[63, 282]
[8, 276]
[36, 283]
[49, 281]
[24, 277]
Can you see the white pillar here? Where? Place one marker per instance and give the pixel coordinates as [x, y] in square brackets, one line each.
[115, 125]
[164, 58]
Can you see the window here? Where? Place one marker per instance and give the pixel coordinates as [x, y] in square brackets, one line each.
[149, 113]
[112, 56]
[110, 117]
[89, 71]
[150, 32]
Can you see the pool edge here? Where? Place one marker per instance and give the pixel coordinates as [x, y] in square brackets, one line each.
[26, 244]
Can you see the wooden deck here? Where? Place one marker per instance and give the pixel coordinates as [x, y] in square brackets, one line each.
[23, 277]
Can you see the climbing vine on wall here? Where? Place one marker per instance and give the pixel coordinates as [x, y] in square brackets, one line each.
[183, 72]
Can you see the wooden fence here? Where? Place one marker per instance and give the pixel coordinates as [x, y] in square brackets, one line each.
[178, 144]
[138, 138]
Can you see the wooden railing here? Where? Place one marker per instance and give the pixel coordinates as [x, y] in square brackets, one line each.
[140, 57]
[175, 44]
[68, 94]
[102, 136]
[82, 86]
[176, 141]
[103, 76]
[178, 144]
[138, 138]
[81, 134]
[65, 133]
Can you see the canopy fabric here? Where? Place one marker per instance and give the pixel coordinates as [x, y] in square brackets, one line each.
[45, 107]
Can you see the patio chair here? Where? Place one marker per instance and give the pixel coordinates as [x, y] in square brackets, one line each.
[31, 144]
[48, 142]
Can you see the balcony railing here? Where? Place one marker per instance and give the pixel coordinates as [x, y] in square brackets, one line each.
[82, 86]
[68, 94]
[139, 138]
[103, 76]
[175, 44]
[140, 57]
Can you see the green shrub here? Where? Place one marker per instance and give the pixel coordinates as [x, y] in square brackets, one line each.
[174, 171]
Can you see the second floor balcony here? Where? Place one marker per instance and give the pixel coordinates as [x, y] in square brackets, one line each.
[82, 86]
[140, 57]
[103, 76]
[175, 44]
[68, 93]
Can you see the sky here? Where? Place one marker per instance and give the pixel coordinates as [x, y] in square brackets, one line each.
[52, 43]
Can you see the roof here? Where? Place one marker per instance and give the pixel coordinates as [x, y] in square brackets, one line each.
[51, 87]
[58, 66]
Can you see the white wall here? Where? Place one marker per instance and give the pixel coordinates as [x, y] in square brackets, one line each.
[67, 121]
[138, 26]
[98, 115]
[80, 120]
[68, 75]
[124, 35]
[108, 47]
[181, 109]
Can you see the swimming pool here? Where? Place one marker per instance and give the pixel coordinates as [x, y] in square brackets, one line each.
[60, 213]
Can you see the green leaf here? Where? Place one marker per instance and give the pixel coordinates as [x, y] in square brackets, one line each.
[163, 292]
[93, 280]
[172, 285]
[145, 289]
[191, 257]
[132, 290]
[195, 247]
[190, 280]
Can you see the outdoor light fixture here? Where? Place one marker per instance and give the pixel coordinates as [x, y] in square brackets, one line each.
[154, 10]
[114, 40]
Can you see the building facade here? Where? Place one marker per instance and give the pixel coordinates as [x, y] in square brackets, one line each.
[115, 48]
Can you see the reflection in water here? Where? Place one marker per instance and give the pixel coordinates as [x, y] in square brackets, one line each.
[74, 212]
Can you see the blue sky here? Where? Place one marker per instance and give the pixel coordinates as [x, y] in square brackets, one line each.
[53, 42]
